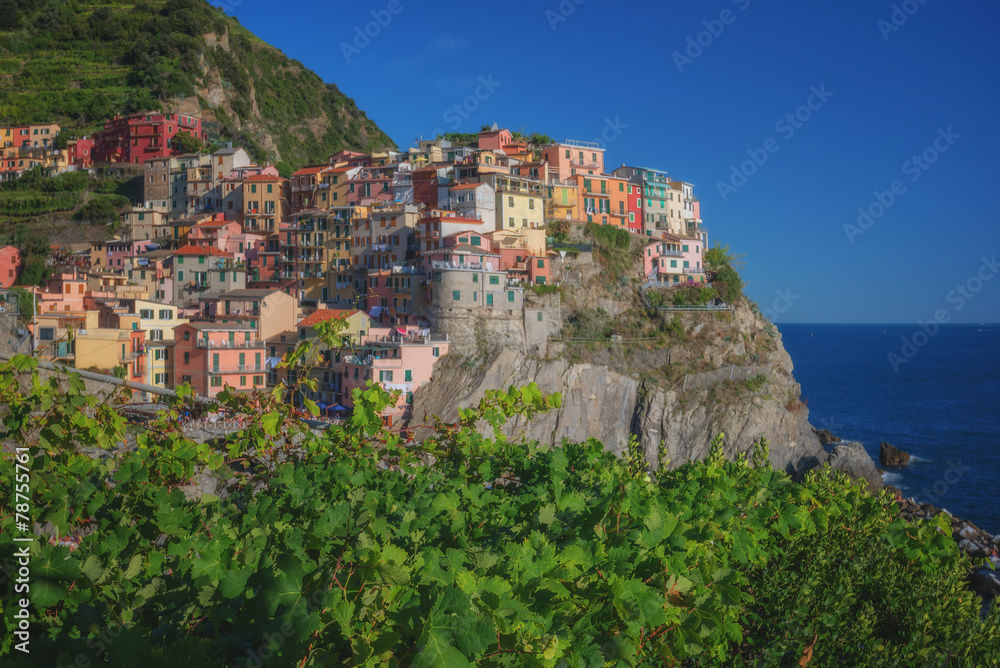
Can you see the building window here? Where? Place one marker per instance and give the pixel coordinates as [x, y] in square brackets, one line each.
[475, 278]
[216, 381]
[456, 295]
[408, 376]
[436, 352]
[494, 280]
[510, 295]
[541, 263]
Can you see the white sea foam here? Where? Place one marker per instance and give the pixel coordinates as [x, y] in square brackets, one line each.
[891, 478]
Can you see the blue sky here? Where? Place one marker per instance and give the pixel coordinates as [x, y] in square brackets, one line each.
[698, 89]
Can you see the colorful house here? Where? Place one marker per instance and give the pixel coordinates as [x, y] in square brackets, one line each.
[11, 264]
[211, 356]
[139, 137]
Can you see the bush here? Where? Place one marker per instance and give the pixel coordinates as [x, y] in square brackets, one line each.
[101, 209]
[728, 284]
[756, 382]
[693, 295]
[467, 548]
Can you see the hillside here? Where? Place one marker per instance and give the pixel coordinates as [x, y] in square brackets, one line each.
[620, 363]
[80, 62]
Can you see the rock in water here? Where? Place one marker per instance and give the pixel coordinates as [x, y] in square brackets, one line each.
[826, 436]
[890, 455]
[853, 459]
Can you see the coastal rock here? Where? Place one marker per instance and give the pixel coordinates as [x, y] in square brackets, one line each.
[826, 436]
[853, 459]
[611, 402]
[890, 455]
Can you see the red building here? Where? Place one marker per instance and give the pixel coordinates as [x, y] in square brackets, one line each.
[81, 152]
[634, 207]
[10, 266]
[142, 136]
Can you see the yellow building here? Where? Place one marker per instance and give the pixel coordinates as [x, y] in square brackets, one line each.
[561, 200]
[266, 202]
[160, 365]
[158, 320]
[102, 348]
[519, 203]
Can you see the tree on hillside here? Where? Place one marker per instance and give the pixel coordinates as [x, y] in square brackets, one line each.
[187, 142]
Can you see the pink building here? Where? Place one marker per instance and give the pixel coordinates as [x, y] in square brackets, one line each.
[674, 260]
[117, 255]
[394, 360]
[495, 139]
[569, 158]
[64, 292]
[11, 264]
[211, 356]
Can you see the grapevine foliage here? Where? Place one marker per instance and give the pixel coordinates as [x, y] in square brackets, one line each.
[353, 547]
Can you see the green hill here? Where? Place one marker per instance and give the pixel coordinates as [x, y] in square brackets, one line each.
[78, 62]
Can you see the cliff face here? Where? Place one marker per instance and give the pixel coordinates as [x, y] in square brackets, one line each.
[608, 402]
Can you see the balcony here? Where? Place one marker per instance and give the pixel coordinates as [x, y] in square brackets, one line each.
[211, 344]
[373, 361]
[462, 265]
[693, 270]
[672, 253]
[405, 269]
[236, 368]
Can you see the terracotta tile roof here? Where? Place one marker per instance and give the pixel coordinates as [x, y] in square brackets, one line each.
[201, 250]
[263, 177]
[325, 314]
[306, 171]
[467, 186]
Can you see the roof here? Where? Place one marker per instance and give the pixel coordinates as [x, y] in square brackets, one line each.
[465, 248]
[325, 314]
[306, 171]
[263, 177]
[210, 326]
[157, 254]
[227, 151]
[468, 186]
[201, 250]
[249, 293]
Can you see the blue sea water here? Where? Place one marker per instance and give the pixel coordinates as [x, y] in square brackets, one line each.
[942, 404]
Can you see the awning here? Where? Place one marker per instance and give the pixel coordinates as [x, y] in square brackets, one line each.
[337, 408]
[322, 406]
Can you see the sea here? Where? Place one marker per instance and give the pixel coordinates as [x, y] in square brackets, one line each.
[935, 393]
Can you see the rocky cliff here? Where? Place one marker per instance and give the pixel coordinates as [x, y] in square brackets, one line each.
[656, 386]
[610, 405]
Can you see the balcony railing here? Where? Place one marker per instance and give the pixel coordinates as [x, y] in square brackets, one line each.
[672, 253]
[229, 345]
[488, 266]
[237, 368]
[370, 361]
[693, 270]
[405, 269]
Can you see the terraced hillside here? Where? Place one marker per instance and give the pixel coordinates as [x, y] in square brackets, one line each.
[79, 62]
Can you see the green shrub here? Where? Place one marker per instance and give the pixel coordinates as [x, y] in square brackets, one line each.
[467, 548]
[728, 284]
[756, 382]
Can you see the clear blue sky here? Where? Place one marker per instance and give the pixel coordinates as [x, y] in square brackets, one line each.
[568, 74]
